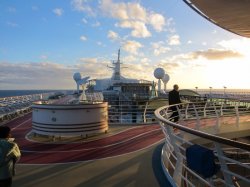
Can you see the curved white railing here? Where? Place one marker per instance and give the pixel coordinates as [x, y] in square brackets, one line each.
[214, 126]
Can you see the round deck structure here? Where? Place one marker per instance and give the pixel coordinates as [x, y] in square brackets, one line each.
[69, 120]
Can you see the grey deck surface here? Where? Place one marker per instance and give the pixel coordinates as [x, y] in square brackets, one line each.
[136, 169]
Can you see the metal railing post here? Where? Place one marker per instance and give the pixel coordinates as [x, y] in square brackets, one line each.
[204, 110]
[197, 124]
[221, 109]
[186, 111]
[223, 164]
[144, 113]
[179, 113]
[217, 117]
[237, 114]
[179, 160]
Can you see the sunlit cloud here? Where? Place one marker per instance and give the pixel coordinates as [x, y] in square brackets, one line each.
[159, 48]
[139, 29]
[88, 60]
[139, 71]
[241, 45]
[129, 59]
[174, 40]
[215, 54]
[132, 46]
[157, 21]
[113, 35]
[35, 75]
[82, 6]
[204, 43]
[58, 11]
[133, 16]
[48, 75]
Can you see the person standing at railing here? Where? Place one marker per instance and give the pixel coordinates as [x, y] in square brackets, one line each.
[174, 98]
[9, 155]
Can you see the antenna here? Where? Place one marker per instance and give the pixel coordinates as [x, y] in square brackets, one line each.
[159, 74]
[80, 81]
[165, 80]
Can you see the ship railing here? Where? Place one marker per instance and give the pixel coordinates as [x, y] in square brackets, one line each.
[125, 112]
[218, 129]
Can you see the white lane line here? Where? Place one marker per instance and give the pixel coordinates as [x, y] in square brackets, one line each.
[85, 161]
[101, 147]
[21, 124]
[83, 141]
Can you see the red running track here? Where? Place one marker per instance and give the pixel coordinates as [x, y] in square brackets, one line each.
[127, 141]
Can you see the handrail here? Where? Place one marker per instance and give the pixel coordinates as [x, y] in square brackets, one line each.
[219, 139]
[174, 153]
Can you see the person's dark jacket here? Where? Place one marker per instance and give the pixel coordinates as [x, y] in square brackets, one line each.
[174, 97]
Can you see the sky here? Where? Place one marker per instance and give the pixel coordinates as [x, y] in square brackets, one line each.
[43, 43]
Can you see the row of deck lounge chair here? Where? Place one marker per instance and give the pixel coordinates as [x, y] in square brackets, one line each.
[12, 107]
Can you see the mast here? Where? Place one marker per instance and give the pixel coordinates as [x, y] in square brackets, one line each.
[116, 77]
[117, 73]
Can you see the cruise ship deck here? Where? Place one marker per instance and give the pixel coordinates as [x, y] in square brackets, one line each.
[128, 155]
[125, 156]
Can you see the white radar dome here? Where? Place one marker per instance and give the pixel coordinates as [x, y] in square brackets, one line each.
[165, 79]
[159, 73]
[77, 76]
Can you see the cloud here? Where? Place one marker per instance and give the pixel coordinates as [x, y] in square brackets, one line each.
[113, 35]
[42, 75]
[93, 67]
[169, 65]
[204, 43]
[99, 43]
[215, 54]
[58, 11]
[88, 60]
[240, 45]
[174, 40]
[83, 38]
[48, 75]
[44, 57]
[133, 16]
[82, 6]
[157, 21]
[159, 48]
[138, 71]
[139, 29]
[96, 24]
[132, 46]
[84, 20]
[12, 24]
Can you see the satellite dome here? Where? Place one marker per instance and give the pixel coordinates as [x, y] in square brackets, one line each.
[165, 79]
[159, 73]
[77, 76]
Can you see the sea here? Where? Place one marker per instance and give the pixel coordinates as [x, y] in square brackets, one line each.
[12, 93]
